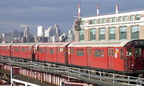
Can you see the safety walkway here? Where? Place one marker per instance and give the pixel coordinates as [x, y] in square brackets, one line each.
[89, 76]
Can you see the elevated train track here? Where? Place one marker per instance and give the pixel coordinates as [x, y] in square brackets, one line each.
[86, 75]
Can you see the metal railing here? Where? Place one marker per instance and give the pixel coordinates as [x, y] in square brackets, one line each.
[89, 76]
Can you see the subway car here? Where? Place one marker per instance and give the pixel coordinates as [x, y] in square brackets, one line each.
[5, 50]
[113, 56]
[124, 56]
[51, 52]
[22, 50]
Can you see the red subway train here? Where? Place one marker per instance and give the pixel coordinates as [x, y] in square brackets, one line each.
[125, 56]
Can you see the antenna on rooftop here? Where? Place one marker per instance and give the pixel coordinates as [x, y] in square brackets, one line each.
[117, 9]
[79, 10]
[97, 9]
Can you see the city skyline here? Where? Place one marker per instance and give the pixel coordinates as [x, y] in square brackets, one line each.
[47, 13]
[52, 34]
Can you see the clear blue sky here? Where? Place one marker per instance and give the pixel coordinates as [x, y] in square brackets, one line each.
[46, 13]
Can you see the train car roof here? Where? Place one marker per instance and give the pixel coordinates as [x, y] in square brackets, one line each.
[119, 43]
[23, 44]
[5, 44]
[53, 44]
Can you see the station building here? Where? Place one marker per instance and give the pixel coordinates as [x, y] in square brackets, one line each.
[117, 26]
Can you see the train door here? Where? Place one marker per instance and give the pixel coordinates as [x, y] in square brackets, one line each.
[58, 56]
[138, 58]
[71, 52]
[47, 54]
[119, 58]
[129, 64]
[111, 57]
[42, 53]
[89, 56]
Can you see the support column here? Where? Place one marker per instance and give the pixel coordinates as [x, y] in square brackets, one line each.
[117, 33]
[128, 32]
[86, 35]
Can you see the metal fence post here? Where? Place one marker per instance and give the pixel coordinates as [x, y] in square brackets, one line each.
[113, 77]
[100, 76]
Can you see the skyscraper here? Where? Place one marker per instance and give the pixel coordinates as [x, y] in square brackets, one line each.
[51, 31]
[27, 32]
[40, 31]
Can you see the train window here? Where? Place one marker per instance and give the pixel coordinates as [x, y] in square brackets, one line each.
[16, 49]
[46, 49]
[121, 54]
[41, 50]
[23, 49]
[141, 42]
[138, 52]
[109, 51]
[99, 53]
[51, 51]
[112, 52]
[72, 50]
[80, 52]
[4, 49]
[88, 51]
[58, 50]
[129, 52]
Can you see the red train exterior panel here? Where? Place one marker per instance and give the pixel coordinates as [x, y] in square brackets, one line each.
[5, 49]
[109, 55]
[51, 52]
[22, 50]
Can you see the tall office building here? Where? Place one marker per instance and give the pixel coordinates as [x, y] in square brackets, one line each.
[27, 32]
[51, 31]
[40, 31]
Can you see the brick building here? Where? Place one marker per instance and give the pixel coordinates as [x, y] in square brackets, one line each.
[117, 26]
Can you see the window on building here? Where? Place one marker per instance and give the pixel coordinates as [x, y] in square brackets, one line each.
[135, 32]
[132, 17]
[92, 34]
[90, 22]
[114, 19]
[137, 17]
[120, 19]
[99, 53]
[112, 32]
[82, 22]
[80, 52]
[94, 21]
[109, 20]
[99, 21]
[104, 20]
[81, 35]
[125, 18]
[123, 32]
[102, 34]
